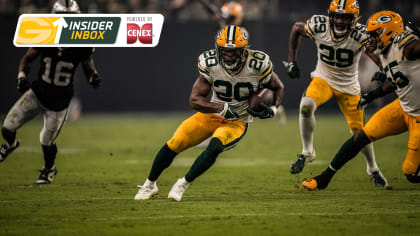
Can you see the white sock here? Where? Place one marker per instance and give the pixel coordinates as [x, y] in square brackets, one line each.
[149, 182]
[370, 158]
[184, 181]
[307, 124]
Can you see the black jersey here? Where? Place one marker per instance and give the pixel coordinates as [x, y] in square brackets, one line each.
[54, 85]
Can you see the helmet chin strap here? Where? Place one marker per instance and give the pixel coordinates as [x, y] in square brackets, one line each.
[233, 66]
[339, 33]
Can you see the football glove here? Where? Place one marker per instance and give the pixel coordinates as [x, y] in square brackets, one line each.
[292, 69]
[228, 112]
[22, 83]
[267, 112]
[95, 81]
[364, 100]
[379, 76]
[369, 97]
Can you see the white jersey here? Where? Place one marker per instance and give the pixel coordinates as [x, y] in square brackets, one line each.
[338, 61]
[236, 89]
[403, 73]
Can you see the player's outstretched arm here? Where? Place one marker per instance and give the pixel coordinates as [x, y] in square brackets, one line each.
[24, 67]
[374, 58]
[27, 59]
[298, 31]
[412, 50]
[91, 73]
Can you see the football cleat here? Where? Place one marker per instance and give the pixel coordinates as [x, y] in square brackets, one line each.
[146, 191]
[47, 175]
[302, 160]
[178, 189]
[310, 184]
[6, 149]
[378, 179]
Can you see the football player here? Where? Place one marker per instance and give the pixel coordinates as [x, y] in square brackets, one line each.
[231, 72]
[230, 13]
[400, 58]
[49, 94]
[340, 41]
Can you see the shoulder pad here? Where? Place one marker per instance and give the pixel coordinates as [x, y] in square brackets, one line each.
[260, 62]
[316, 24]
[405, 38]
[207, 60]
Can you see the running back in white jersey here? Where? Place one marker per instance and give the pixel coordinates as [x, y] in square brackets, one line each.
[403, 73]
[236, 89]
[338, 61]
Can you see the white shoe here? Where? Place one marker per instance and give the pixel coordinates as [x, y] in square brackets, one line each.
[377, 178]
[178, 189]
[146, 191]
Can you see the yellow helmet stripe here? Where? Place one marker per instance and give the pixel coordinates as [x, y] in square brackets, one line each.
[342, 4]
[231, 33]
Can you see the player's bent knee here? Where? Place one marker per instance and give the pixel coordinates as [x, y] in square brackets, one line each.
[307, 106]
[176, 145]
[355, 127]
[361, 139]
[215, 147]
[47, 137]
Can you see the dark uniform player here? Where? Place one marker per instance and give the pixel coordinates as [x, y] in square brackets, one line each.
[49, 94]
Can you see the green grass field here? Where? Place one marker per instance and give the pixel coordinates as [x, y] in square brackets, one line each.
[249, 190]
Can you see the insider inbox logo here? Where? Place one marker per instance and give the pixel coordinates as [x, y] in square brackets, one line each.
[88, 30]
[141, 29]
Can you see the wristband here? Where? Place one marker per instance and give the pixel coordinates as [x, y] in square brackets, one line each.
[274, 109]
[21, 74]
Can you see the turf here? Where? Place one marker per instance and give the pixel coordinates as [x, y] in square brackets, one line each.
[248, 191]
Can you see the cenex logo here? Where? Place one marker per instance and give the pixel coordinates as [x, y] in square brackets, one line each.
[143, 33]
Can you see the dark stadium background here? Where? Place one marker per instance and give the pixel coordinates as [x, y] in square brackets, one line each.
[160, 79]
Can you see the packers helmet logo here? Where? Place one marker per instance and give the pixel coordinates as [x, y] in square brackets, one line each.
[356, 4]
[245, 35]
[384, 19]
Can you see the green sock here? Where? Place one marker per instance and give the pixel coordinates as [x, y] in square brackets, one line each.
[205, 160]
[347, 151]
[163, 160]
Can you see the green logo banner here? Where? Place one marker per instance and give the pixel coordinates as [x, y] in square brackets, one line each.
[89, 30]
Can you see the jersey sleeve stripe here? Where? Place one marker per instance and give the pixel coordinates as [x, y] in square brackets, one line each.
[201, 69]
[363, 43]
[308, 30]
[267, 71]
[407, 40]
